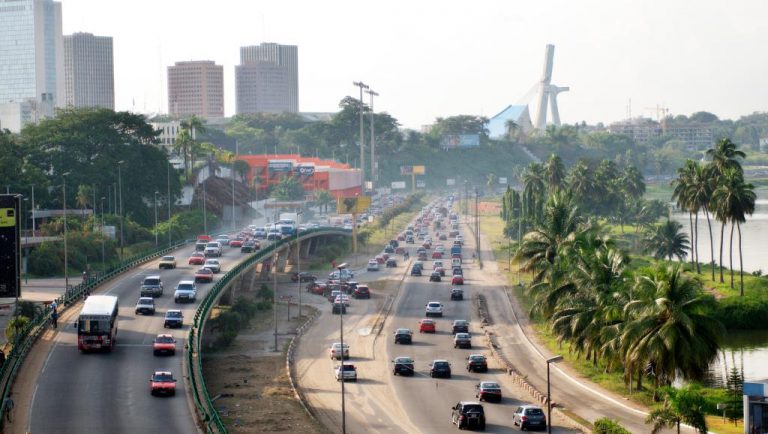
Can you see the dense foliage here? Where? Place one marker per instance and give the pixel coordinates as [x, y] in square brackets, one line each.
[608, 426]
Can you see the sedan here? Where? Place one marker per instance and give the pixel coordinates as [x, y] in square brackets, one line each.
[402, 366]
[403, 336]
[162, 383]
[488, 391]
[462, 340]
[440, 369]
[435, 276]
[164, 344]
[457, 280]
[460, 326]
[213, 265]
[197, 258]
[427, 326]
[204, 275]
[529, 416]
[416, 271]
[477, 363]
[437, 255]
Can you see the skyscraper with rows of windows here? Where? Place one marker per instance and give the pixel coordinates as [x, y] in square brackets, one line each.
[89, 75]
[267, 79]
[196, 88]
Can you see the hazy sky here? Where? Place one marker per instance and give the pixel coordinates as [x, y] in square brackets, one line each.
[431, 59]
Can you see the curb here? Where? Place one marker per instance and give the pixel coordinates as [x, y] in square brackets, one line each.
[289, 363]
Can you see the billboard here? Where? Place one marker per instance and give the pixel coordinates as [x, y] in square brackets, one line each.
[453, 141]
[304, 169]
[502, 180]
[412, 170]
[398, 185]
[10, 244]
[352, 205]
[280, 166]
[450, 181]
[420, 183]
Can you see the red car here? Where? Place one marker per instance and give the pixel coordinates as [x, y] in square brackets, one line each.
[316, 288]
[162, 383]
[197, 258]
[380, 259]
[437, 255]
[362, 291]
[204, 275]
[401, 237]
[164, 344]
[427, 326]
[237, 242]
[427, 245]
[457, 280]
[400, 250]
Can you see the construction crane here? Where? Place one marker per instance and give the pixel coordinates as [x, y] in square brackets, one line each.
[661, 112]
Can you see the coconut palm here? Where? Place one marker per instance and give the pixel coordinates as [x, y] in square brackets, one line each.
[554, 172]
[667, 241]
[700, 188]
[734, 199]
[534, 190]
[670, 326]
[684, 405]
[186, 140]
[725, 155]
[682, 195]
[323, 199]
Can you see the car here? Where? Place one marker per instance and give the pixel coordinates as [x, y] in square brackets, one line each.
[402, 365]
[462, 340]
[488, 391]
[415, 271]
[391, 263]
[477, 363]
[373, 265]
[457, 280]
[167, 262]
[394, 243]
[212, 250]
[419, 264]
[303, 277]
[409, 240]
[442, 237]
[259, 233]
[343, 299]
[145, 306]
[204, 275]
[317, 288]
[250, 246]
[237, 242]
[434, 308]
[437, 264]
[400, 237]
[457, 271]
[440, 369]
[362, 291]
[151, 286]
[427, 326]
[334, 293]
[460, 326]
[457, 294]
[437, 255]
[223, 239]
[399, 250]
[173, 319]
[389, 249]
[274, 236]
[162, 383]
[197, 258]
[435, 277]
[468, 414]
[403, 336]
[529, 416]
[440, 270]
[338, 308]
[200, 246]
[346, 372]
[336, 351]
[164, 344]
[185, 291]
[213, 265]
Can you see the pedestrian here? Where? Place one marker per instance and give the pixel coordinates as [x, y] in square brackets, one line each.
[8, 406]
[55, 318]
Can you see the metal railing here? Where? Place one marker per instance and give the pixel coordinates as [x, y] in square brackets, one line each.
[202, 399]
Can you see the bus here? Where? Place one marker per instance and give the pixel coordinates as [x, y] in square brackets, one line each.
[97, 323]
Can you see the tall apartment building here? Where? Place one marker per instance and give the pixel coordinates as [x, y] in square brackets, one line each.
[89, 73]
[643, 130]
[267, 79]
[31, 57]
[196, 88]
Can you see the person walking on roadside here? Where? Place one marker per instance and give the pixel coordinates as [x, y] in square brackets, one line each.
[55, 318]
[8, 407]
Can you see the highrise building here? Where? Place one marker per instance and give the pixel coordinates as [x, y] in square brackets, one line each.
[89, 74]
[196, 88]
[267, 79]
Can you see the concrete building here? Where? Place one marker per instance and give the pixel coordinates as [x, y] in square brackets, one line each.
[31, 57]
[196, 88]
[641, 130]
[89, 72]
[696, 136]
[519, 114]
[267, 79]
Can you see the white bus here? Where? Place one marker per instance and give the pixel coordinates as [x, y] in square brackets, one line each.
[97, 323]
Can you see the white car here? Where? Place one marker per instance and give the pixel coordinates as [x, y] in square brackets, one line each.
[185, 291]
[342, 298]
[436, 264]
[373, 265]
[348, 373]
[336, 351]
[213, 265]
[434, 308]
[223, 239]
[212, 249]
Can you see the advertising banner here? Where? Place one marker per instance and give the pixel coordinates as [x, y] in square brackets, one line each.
[450, 181]
[352, 205]
[406, 170]
[419, 170]
[503, 180]
[420, 183]
[10, 244]
[453, 141]
[280, 166]
[304, 170]
[398, 185]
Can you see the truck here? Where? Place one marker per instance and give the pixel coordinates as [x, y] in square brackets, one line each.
[290, 218]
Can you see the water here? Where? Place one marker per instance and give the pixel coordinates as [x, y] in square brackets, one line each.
[747, 350]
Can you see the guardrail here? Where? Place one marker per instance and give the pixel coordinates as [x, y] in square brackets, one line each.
[26, 338]
[207, 412]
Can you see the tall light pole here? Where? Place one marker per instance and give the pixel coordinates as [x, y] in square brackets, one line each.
[33, 210]
[102, 235]
[232, 172]
[274, 296]
[168, 193]
[549, 399]
[26, 238]
[374, 167]
[298, 256]
[362, 86]
[156, 193]
[477, 223]
[66, 254]
[205, 212]
[120, 184]
[341, 335]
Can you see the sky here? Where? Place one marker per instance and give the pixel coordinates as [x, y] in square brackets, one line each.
[439, 58]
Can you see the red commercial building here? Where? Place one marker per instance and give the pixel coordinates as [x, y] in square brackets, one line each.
[341, 180]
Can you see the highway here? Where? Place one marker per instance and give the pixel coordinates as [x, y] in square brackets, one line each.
[99, 393]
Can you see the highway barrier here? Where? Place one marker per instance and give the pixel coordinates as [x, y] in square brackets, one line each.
[193, 358]
[26, 338]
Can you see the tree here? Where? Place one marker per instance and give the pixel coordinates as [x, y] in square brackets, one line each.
[554, 172]
[84, 196]
[682, 194]
[725, 155]
[666, 241]
[684, 405]
[323, 199]
[187, 141]
[462, 124]
[16, 325]
[289, 188]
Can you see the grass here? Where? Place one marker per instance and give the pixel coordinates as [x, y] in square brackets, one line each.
[716, 424]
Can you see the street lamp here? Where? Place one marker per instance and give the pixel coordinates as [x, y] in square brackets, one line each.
[362, 86]
[103, 268]
[66, 255]
[341, 334]
[298, 255]
[156, 193]
[120, 211]
[274, 295]
[205, 213]
[26, 239]
[168, 197]
[549, 399]
[374, 172]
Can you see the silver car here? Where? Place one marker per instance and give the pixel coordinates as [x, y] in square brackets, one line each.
[529, 416]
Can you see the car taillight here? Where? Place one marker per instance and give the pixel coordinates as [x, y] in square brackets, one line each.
[523, 418]
[461, 417]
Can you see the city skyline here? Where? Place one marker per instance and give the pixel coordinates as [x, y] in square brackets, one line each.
[437, 59]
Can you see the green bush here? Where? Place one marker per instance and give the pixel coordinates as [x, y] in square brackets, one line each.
[405, 206]
[745, 313]
[45, 260]
[608, 426]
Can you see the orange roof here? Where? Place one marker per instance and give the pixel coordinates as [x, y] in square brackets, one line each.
[263, 160]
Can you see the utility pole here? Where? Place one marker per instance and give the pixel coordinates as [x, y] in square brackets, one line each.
[102, 236]
[66, 255]
[298, 256]
[362, 86]
[374, 166]
[274, 296]
[120, 183]
[168, 193]
[477, 223]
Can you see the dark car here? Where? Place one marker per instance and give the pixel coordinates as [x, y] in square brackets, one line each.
[339, 308]
[416, 271]
[468, 414]
[303, 276]
[362, 291]
[457, 271]
[477, 363]
[403, 336]
[391, 263]
[248, 247]
[440, 369]
[457, 294]
[394, 243]
[402, 366]
[173, 318]
[460, 326]
[462, 340]
[529, 416]
[389, 249]
[488, 391]
[435, 276]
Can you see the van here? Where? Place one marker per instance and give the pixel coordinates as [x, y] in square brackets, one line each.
[200, 246]
[456, 262]
[152, 286]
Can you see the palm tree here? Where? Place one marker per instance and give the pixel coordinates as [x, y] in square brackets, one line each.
[512, 129]
[667, 241]
[682, 195]
[701, 186]
[554, 172]
[684, 405]
[323, 199]
[669, 325]
[187, 139]
[725, 155]
[735, 200]
[84, 195]
[534, 190]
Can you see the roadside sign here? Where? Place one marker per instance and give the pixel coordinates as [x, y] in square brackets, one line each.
[352, 205]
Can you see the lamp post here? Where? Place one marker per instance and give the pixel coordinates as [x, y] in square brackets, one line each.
[120, 211]
[298, 255]
[156, 193]
[477, 223]
[232, 172]
[549, 399]
[274, 296]
[26, 238]
[66, 254]
[102, 235]
[374, 171]
[168, 196]
[341, 340]
[362, 86]
[205, 213]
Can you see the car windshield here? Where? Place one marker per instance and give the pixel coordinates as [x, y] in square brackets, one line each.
[403, 360]
[490, 386]
[440, 364]
[185, 286]
[477, 358]
[434, 305]
[162, 377]
[146, 300]
[168, 258]
[462, 336]
[164, 340]
[403, 331]
[459, 322]
[534, 412]
[173, 314]
[203, 271]
[151, 282]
